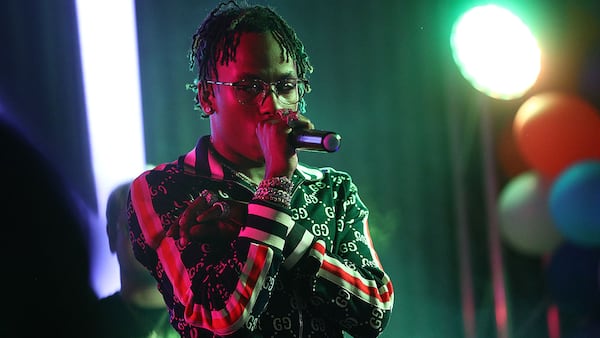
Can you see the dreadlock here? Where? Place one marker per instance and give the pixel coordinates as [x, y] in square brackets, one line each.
[216, 40]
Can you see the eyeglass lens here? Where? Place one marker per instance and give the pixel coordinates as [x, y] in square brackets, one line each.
[288, 91]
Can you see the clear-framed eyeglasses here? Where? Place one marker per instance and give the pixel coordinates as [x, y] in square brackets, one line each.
[288, 91]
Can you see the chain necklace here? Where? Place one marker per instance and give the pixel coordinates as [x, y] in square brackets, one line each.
[236, 173]
[241, 176]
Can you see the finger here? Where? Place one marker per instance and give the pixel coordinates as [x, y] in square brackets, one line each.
[203, 230]
[188, 218]
[184, 222]
[184, 218]
[301, 125]
[173, 229]
[189, 214]
[302, 122]
[218, 210]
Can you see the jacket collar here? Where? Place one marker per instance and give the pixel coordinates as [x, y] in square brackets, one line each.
[202, 162]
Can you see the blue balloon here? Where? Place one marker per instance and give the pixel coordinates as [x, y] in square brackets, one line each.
[575, 203]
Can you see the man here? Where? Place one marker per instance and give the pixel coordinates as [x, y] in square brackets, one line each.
[137, 310]
[244, 240]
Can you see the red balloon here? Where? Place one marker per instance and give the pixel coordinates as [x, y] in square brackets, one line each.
[555, 130]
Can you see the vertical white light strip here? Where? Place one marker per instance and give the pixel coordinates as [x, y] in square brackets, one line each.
[108, 42]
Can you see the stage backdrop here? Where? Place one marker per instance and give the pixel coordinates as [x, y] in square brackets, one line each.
[384, 79]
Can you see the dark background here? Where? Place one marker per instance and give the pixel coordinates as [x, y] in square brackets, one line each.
[385, 80]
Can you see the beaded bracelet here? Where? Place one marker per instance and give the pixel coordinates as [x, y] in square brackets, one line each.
[273, 195]
[279, 182]
[275, 189]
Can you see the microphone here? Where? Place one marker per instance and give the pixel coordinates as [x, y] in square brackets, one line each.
[315, 140]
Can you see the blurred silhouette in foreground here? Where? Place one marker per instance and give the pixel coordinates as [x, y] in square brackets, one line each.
[47, 291]
[138, 308]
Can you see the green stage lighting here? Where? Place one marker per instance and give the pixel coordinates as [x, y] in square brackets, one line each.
[495, 51]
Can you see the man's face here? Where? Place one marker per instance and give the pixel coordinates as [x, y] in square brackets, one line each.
[233, 125]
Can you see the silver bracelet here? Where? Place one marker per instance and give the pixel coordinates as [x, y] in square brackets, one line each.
[275, 189]
[279, 197]
[279, 182]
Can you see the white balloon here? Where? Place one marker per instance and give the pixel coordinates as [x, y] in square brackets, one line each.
[526, 224]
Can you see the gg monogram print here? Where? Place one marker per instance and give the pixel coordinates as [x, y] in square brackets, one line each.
[306, 271]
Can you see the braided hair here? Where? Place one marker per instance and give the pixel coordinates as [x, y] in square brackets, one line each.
[216, 40]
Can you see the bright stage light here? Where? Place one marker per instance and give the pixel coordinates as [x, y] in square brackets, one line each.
[108, 43]
[496, 52]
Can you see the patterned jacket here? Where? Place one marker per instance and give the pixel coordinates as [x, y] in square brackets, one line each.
[310, 271]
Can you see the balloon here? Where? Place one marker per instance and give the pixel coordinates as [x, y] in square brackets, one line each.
[525, 221]
[554, 130]
[575, 203]
[573, 279]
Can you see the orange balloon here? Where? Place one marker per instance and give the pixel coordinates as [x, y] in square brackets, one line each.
[555, 130]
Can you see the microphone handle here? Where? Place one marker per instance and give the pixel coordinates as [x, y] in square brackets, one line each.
[315, 140]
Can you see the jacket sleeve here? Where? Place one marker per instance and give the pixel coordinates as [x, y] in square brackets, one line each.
[222, 288]
[346, 282]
